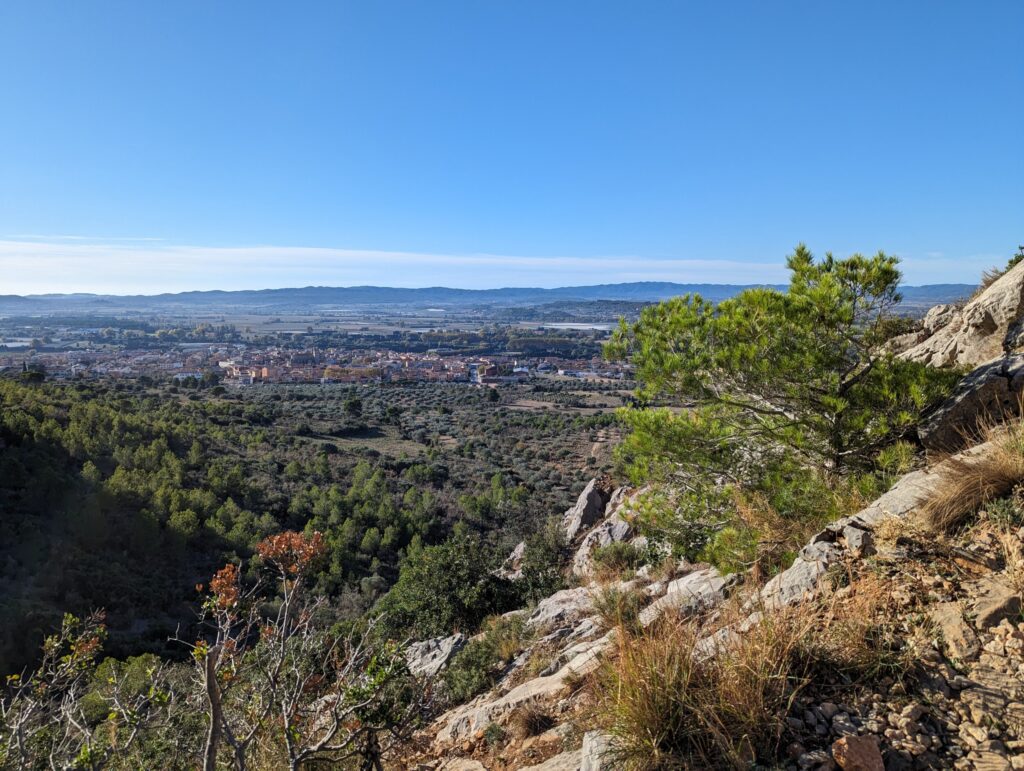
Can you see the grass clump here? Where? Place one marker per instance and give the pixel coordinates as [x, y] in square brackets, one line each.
[969, 482]
[529, 720]
[669, 704]
[618, 608]
[617, 558]
[671, 709]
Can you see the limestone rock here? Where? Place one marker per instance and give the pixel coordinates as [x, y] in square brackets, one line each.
[996, 602]
[858, 753]
[596, 752]
[612, 529]
[696, 591]
[958, 638]
[939, 316]
[566, 761]
[589, 508]
[991, 392]
[801, 578]
[463, 764]
[427, 658]
[512, 567]
[984, 329]
[561, 608]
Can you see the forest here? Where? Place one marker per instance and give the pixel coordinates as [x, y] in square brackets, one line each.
[125, 495]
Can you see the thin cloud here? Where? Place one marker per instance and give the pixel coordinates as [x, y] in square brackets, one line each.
[127, 266]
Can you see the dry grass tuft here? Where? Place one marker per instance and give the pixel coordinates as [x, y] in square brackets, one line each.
[968, 483]
[859, 636]
[529, 720]
[669, 705]
[668, 708]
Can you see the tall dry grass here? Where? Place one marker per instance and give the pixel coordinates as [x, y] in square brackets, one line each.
[668, 704]
[967, 483]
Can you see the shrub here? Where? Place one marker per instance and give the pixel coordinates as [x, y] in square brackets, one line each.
[481, 663]
[542, 566]
[445, 587]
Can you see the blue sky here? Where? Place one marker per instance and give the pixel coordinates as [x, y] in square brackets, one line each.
[162, 146]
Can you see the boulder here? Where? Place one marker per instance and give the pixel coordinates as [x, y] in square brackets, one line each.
[992, 392]
[800, 580]
[589, 508]
[700, 590]
[858, 753]
[939, 316]
[983, 329]
[561, 608]
[427, 658]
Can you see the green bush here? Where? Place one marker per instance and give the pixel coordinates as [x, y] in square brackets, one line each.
[445, 588]
[481, 663]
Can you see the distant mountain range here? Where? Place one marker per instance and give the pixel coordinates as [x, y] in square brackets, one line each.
[324, 297]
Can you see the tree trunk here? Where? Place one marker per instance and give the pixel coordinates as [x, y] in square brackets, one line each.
[215, 714]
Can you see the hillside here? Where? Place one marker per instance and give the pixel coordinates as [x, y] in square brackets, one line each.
[897, 630]
[809, 554]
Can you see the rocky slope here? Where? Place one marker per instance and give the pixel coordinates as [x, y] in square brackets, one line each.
[964, 710]
[957, 598]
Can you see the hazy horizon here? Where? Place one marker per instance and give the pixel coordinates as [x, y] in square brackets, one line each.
[172, 147]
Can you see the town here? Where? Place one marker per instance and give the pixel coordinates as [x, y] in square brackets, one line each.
[223, 355]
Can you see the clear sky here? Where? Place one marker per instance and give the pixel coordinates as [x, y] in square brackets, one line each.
[162, 145]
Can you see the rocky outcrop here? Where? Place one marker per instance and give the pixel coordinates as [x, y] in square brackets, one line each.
[512, 568]
[589, 508]
[610, 530]
[986, 328]
[991, 393]
[693, 593]
[427, 658]
[850, 534]
[569, 642]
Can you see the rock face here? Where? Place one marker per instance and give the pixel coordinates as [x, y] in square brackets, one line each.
[596, 753]
[697, 591]
[612, 529]
[986, 328]
[589, 509]
[992, 392]
[427, 658]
